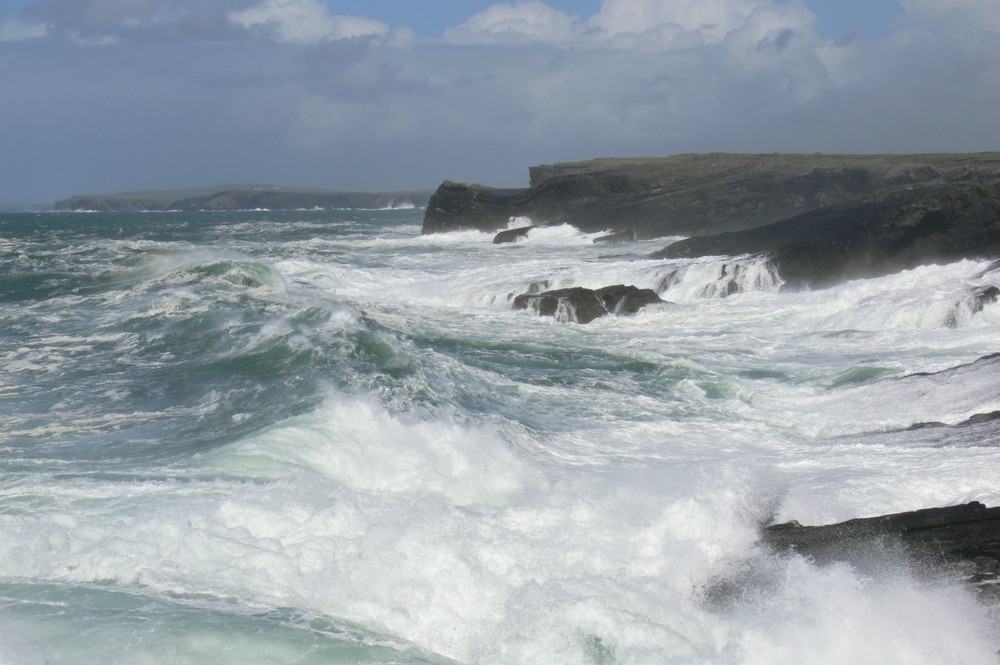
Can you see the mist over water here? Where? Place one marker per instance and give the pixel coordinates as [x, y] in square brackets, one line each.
[320, 437]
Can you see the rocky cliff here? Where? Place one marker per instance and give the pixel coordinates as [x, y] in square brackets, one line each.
[691, 194]
[934, 222]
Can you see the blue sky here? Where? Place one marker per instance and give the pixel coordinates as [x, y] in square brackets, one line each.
[837, 19]
[115, 95]
[869, 19]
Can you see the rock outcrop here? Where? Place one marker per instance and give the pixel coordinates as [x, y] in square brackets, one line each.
[968, 534]
[245, 198]
[512, 235]
[690, 194]
[891, 230]
[583, 305]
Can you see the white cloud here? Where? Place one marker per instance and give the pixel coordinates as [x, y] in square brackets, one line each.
[524, 21]
[15, 30]
[305, 21]
[345, 27]
[711, 19]
[773, 33]
[517, 84]
[645, 25]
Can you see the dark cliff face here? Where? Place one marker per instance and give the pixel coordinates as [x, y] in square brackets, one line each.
[454, 204]
[688, 194]
[871, 236]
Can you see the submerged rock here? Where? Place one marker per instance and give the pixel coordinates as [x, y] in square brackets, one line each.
[967, 535]
[976, 300]
[583, 305]
[985, 295]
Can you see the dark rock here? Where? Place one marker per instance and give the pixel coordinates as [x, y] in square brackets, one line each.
[968, 534]
[512, 235]
[689, 194]
[456, 206]
[975, 419]
[538, 287]
[973, 303]
[583, 305]
[989, 360]
[983, 296]
[670, 279]
[870, 236]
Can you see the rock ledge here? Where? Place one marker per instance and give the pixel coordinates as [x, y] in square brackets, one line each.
[581, 305]
[968, 534]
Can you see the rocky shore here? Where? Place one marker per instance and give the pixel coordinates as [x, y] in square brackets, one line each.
[820, 219]
[691, 194]
[874, 235]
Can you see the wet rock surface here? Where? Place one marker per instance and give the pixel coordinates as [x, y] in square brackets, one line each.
[872, 236]
[966, 537]
[582, 305]
[513, 235]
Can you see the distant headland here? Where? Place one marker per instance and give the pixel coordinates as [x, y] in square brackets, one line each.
[243, 197]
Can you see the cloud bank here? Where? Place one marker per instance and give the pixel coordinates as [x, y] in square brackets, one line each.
[121, 94]
[304, 21]
[515, 24]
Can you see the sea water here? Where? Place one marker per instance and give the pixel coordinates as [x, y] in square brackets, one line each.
[321, 437]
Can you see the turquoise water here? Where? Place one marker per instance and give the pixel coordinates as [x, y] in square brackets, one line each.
[320, 437]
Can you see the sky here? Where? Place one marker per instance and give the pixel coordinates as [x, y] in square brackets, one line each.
[101, 96]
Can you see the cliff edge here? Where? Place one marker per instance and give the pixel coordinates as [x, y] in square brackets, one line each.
[691, 194]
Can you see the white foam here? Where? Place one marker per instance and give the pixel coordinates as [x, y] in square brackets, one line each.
[950, 397]
[355, 442]
[176, 266]
[879, 617]
[447, 538]
[465, 236]
[536, 513]
[560, 235]
[717, 278]
[924, 297]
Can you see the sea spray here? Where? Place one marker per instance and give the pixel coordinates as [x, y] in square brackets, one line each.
[322, 437]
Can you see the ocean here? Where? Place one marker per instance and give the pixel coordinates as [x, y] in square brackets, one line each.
[321, 437]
